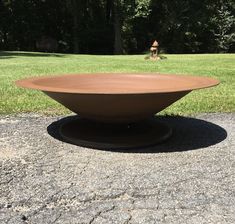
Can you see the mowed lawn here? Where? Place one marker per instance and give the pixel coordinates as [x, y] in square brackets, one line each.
[18, 65]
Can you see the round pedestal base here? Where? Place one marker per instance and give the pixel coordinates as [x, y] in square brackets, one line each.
[114, 136]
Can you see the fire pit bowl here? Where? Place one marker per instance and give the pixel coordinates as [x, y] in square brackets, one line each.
[121, 99]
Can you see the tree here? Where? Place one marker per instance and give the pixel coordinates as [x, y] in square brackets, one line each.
[126, 12]
[224, 28]
[119, 26]
[73, 7]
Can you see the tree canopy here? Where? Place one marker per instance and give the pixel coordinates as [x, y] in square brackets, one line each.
[117, 26]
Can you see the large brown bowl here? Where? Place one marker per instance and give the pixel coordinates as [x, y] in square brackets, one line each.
[117, 97]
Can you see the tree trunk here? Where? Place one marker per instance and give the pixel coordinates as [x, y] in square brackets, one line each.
[75, 33]
[109, 7]
[5, 40]
[74, 10]
[118, 49]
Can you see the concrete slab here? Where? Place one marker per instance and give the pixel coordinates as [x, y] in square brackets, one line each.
[189, 179]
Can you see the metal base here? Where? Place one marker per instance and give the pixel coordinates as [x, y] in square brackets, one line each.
[90, 134]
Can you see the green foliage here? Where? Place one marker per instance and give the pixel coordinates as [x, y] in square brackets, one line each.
[141, 8]
[82, 26]
[224, 31]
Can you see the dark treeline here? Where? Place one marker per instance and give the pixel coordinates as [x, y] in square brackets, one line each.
[117, 26]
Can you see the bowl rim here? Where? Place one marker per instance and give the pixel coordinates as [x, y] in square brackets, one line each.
[200, 82]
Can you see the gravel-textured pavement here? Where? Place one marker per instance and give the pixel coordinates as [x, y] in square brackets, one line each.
[188, 179]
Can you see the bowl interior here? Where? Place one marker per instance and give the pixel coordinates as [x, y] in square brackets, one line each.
[117, 83]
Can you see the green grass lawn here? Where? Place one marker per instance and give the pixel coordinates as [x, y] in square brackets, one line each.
[17, 65]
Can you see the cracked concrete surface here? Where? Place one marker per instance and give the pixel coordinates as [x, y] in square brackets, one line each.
[189, 179]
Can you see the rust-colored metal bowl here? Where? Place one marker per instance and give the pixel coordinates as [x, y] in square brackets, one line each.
[117, 98]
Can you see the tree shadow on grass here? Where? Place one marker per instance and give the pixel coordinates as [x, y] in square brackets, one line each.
[188, 134]
[13, 54]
